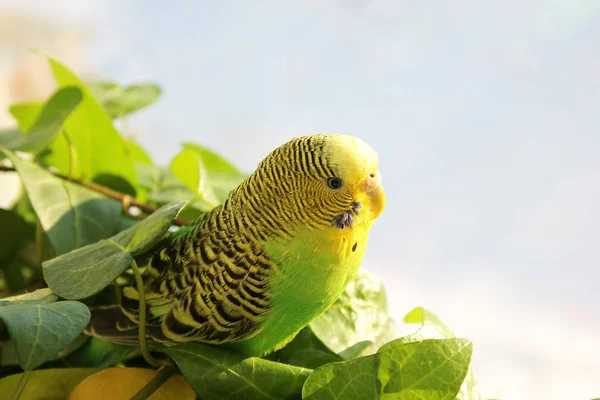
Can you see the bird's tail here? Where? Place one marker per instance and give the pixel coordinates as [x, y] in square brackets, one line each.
[110, 323]
[119, 323]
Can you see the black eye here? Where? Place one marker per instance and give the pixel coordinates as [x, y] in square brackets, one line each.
[334, 182]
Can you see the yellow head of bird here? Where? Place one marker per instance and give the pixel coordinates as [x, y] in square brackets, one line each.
[325, 180]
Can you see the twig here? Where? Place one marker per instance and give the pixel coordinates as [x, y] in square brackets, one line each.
[21, 385]
[108, 192]
[163, 375]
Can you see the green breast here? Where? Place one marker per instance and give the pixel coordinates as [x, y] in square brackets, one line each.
[310, 272]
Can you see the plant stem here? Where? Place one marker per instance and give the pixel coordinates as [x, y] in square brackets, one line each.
[113, 194]
[39, 240]
[163, 375]
[117, 291]
[142, 317]
[142, 322]
[21, 385]
[72, 155]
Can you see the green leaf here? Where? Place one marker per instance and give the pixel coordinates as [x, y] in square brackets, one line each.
[162, 184]
[26, 113]
[219, 373]
[186, 167]
[119, 101]
[306, 351]
[88, 270]
[8, 353]
[432, 328]
[47, 384]
[14, 231]
[431, 369]
[40, 328]
[58, 154]
[14, 275]
[40, 296]
[137, 153]
[71, 215]
[100, 354]
[359, 315]
[93, 137]
[23, 208]
[217, 176]
[145, 234]
[47, 124]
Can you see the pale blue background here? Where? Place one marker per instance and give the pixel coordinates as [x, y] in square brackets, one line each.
[486, 117]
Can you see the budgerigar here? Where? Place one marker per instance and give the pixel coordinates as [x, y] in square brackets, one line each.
[255, 270]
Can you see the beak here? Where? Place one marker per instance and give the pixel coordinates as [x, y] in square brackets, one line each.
[372, 187]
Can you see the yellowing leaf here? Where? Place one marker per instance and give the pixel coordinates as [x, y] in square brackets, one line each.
[123, 383]
[46, 384]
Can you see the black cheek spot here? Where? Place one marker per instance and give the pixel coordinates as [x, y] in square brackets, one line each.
[354, 246]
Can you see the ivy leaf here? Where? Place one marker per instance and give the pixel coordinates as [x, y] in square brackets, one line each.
[430, 369]
[47, 383]
[40, 328]
[432, 328]
[358, 322]
[47, 124]
[219, 373]
[88, 270]
[71, 215]
[119, 101]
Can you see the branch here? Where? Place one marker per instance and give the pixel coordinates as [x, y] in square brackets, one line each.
[124, 199]
[163, 375]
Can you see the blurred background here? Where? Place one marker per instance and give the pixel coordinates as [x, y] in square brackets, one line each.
[485, 116]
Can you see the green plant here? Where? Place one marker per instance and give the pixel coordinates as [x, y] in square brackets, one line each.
[92, 199]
